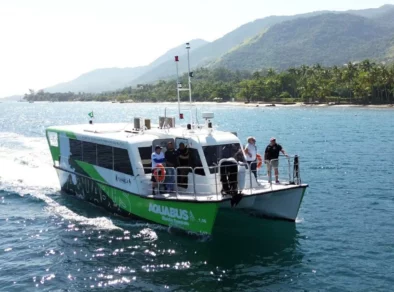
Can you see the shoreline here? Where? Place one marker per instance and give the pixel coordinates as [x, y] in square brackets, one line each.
[297, 104]
[236, 103]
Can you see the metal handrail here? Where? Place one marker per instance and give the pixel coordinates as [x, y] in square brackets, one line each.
[210, 183]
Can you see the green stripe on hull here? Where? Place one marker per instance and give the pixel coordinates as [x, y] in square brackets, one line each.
[55, 152]
[91, 171]
[192, 216]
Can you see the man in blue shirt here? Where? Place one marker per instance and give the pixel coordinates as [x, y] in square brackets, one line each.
[157, 157]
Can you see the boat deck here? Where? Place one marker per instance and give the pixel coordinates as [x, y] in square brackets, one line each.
[264, 188]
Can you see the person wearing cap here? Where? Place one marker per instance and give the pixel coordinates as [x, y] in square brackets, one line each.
[157, 157]
[271, 157]
[251, 154]
[171, 158]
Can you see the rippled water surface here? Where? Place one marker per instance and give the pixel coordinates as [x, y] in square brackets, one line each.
[343, 239]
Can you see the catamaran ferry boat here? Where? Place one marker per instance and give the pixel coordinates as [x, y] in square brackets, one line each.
[110, 165]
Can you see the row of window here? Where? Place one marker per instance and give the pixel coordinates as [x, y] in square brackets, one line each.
[101, 155]
[213, 154]
[118, 159]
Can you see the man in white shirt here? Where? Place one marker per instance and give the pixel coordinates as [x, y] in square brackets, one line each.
[251, 152]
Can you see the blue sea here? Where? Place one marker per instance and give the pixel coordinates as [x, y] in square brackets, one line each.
[343, 239]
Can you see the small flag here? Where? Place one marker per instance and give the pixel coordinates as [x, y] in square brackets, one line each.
[91, 115]
[176, 59]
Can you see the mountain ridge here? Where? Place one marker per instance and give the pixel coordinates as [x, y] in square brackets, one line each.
[107, 79]
[218, 52]
[311, 40]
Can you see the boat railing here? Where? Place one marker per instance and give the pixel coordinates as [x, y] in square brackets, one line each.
[288, 168]
[176, 181]
[206, 182]
[198, 181]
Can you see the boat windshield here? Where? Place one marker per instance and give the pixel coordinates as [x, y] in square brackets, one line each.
[213, 154]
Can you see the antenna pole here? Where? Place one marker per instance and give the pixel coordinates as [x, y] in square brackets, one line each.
[190, 82]
[177, 87]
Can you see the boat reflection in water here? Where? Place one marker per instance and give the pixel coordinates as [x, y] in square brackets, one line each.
[251, 240]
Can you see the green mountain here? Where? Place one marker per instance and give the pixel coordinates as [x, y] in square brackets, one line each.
[328, 39]
[108, 79]
[275, 41]
[372, 12]
[204, 55]
[386, 18]
[99, 80]
[211, 53]
[12, 98]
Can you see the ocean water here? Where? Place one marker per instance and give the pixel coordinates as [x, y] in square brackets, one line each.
[343, 239]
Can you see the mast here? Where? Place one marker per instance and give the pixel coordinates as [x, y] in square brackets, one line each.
[188, 71]
[179, 86]
[190, 83]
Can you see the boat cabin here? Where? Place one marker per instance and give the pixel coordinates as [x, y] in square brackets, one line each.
[120, 155]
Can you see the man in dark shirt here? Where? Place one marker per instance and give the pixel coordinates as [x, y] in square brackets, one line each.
[183, 158]
[271, 157]
[171, 158]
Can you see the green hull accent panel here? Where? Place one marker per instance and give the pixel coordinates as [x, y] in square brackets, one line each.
[55, 152]
[90, 170]
[191, 216]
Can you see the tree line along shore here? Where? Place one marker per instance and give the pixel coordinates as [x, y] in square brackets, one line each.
[365, 83]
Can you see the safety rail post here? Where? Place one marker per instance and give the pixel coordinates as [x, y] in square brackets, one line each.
[176, 183]
[289, 164]
[194, 183]
[250, 177]
[216, 183]
[297, 169]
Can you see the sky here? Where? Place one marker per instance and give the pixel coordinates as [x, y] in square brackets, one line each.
[46, 42]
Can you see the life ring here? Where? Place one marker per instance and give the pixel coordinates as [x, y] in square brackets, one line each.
[159, 173]
[259, 160]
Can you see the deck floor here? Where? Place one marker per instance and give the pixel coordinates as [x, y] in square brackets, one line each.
[264, 187]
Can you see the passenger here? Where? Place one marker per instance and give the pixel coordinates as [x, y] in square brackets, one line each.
[251, 155]
[183, 159]
[171, 163]
[271, 157]
[238, 154]
[157, 157]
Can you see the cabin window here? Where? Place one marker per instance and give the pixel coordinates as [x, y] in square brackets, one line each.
[213, 154]
[146, 158]
[104, 156]
[101, 155]
[122, 161]
[195, 161]
[76, 150]
[53, 139]
[89, 154]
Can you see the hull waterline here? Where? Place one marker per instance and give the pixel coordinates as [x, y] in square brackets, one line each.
[190, 216]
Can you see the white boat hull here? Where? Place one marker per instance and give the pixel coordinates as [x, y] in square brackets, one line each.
[280, 203]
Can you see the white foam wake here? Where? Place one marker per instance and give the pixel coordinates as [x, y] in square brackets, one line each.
[26, 169]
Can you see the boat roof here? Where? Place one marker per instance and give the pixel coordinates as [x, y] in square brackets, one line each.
[124, 132]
